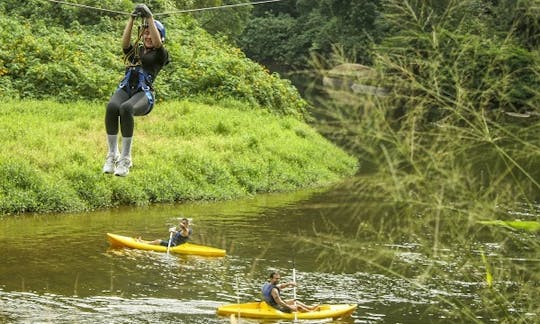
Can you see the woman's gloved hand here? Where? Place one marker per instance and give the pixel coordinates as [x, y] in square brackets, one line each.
[143, 10]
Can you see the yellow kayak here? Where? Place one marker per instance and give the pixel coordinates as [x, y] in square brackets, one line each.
[263, 310]
[185, 248]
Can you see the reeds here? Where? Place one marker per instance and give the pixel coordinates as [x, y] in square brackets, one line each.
[441, 152]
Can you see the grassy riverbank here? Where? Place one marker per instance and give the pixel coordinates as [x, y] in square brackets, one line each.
[52, 154]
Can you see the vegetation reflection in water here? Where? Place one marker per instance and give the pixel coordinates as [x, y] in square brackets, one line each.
[70, 274]
[388, 258]
[459, 269]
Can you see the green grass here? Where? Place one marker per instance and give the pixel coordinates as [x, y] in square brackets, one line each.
[52, 154]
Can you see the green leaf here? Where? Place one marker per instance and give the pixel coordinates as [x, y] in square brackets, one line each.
[531, 226]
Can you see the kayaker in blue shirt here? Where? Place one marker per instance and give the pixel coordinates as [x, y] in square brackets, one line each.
[271, 295]
[180, 234]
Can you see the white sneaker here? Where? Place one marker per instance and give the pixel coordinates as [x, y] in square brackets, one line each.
[110, 163]
[122, 167]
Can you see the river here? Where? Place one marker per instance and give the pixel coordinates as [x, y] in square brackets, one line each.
[61, 269]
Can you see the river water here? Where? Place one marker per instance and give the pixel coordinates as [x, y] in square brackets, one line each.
[61, 269]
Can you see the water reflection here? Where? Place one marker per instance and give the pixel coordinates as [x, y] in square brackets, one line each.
[66, 271]
[60, 268]
[34, 308]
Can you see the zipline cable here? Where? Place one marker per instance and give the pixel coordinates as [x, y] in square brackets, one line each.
[217, 7]
[89, 7]
[170, 12]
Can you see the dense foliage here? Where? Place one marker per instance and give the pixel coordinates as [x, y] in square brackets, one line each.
[62, 52]
[229, 21]
[452, 141]
[453, 86]
[452, 55]
[288, 33]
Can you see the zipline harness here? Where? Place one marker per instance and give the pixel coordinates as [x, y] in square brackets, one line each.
[134, 69]
[144, 83]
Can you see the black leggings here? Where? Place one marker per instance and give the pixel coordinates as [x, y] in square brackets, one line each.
[123, 107]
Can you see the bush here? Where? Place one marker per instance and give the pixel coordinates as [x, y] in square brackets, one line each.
[48, 61]
[185, 151]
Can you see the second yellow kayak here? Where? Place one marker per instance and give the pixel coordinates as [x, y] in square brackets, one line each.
[263, 310]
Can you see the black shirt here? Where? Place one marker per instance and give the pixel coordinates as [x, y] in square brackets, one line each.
[152, 61]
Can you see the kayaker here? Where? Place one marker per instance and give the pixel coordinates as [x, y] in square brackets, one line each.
[180, 234]
[271, 295]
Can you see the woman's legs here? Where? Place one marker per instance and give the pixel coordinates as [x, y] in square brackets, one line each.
[301, 306]
[112, 113]
[137, 105]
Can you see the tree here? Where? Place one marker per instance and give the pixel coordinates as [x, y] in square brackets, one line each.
[313, 27]
[266, 39]
[276, 8]
[228, 22]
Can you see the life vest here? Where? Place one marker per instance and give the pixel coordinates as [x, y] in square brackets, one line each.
[267, 293]
[144, 83]
[179, 239]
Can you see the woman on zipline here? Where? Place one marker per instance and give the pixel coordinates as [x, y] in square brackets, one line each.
[135, 95]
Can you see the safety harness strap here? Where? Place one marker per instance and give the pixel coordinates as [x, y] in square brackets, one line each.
[144, 83]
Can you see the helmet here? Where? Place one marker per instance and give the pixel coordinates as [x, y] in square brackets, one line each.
[161, 29]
